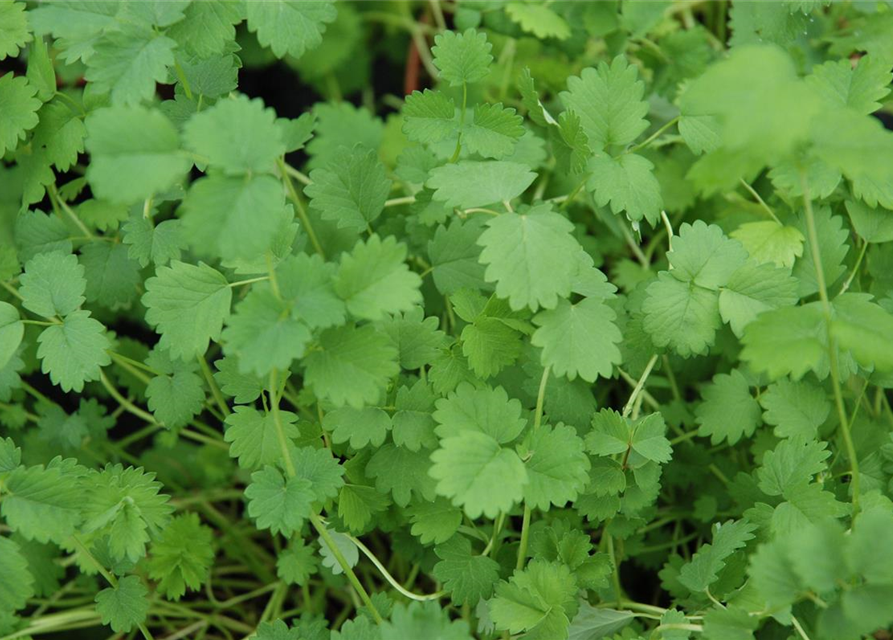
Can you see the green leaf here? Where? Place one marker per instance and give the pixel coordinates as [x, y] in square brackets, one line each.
[127, 63]
[187, 304]
[860, 88]
[753, 289]
[681, 315]
[402, 473]
[290, 26]
[352, 367]
[41, 503]
[19, 583]
[628, 183]
[133, 154]
[485, 410]
[493, 132]
[350, 189]
[74, 352]
[429, 116]
[374, 279]
[124, 504]
[243, 388]
[277, 630]
[609, 101]
[795, 408]
[238, 136]
[53, 284]
[253, 436]
[112, 277]
[61, 133]
[362, 427]
[770, 241]
[318, 467]
[124, 606]
[557, 468]
[526, 256]
[306, 282]
[468, 577]
[470, 183]
[435, 521]
[263, 334]
[358, 504]
[863, 328]
[710, 559]
[417, 338]
[176, 398]
[454, 255]
[477, 474]
[297, 563]
[462, 57]
[231, 217]
[833, 248]
[611, 434]
[18, 110]
[728, 411]
[594, 622]
[208, 27]
[278, 504]
[422, 620]
[874, 224]
[182, 558]
[578, 339]
[14, 32]
[704, 256]
[787, 341]
[649, 439]
[730, 623]
[791, 464]
[490, 345]
[540, 600]
[539, 20]
[11, 332]
[158, 244]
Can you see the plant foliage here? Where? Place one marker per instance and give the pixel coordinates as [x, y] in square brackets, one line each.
[586, 331]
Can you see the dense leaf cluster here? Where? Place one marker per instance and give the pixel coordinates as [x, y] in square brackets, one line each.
[586, 334]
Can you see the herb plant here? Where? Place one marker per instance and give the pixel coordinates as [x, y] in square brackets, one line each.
[518, 319]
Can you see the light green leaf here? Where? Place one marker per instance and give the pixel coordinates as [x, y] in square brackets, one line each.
[277, 503]
[462, 57]
[124, 606]
[477, 474]
[373, 279]
[470, 183]
[728, 411]
[352, 367]
[527, 257]
[609, 101]
[127, 64]
[238, 135]
[187, 304]
[351, 188]
[628, 183]
[134, 154]
[578, 339]
[290, 26]
[74, 352]
[18, 110]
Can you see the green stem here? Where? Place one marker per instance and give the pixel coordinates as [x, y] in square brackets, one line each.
[639, 386]
[654, 136]
[124, 402]
[461, 123]
[212, 384]
[525, 519]
[293, 195]
[345, 566]
[239, 283]
[760, 201]
[832, 347]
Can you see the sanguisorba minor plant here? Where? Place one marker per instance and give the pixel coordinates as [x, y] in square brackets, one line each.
[537, 320]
